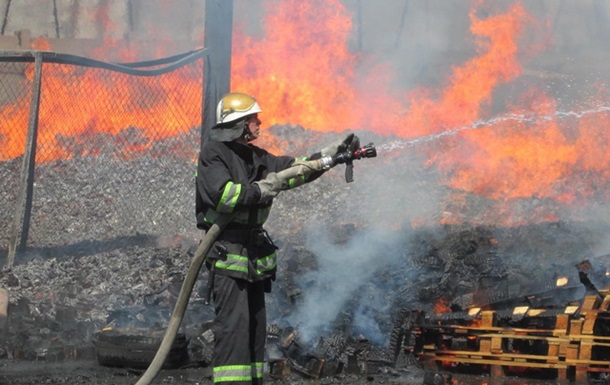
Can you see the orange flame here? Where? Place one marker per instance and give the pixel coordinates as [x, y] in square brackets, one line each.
[317, 85]
[471, 85]
[40, 44]
[67, 112]
[441, 306]
[302, 71]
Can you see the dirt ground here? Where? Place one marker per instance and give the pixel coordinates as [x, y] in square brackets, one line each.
[89, 372]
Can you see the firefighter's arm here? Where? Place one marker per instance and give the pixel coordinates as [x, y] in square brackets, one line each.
[307, 170]
[289, 173]
[271, 186]
[300, 171]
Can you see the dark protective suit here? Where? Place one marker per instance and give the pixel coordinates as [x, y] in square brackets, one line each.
[243, 258]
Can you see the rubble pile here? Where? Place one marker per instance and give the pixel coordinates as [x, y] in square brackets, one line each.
[58, 305]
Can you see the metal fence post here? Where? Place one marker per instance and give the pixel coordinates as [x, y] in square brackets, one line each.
[218, 35]
[23, 207]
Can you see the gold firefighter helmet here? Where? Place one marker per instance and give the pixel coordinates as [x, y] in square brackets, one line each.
[235, 106]
[230, 114]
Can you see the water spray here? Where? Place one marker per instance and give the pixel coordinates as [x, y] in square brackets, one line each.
[522, 118]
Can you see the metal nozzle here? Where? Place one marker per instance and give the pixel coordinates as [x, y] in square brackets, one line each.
[368, 151]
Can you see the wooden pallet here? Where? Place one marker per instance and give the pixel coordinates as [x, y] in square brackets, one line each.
[571, 349]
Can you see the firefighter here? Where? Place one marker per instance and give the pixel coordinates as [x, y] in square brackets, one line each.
[235, 177]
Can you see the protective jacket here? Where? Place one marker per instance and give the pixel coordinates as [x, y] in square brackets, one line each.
[243, 256]
[225, 175]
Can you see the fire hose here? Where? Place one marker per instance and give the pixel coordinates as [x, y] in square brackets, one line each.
[302, 169]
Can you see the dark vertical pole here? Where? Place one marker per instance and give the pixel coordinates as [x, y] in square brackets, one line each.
[403, 18]
[130, 15]
[5, 19]
[359, 22]
[56, 19]
[218, 31]
[23, 207]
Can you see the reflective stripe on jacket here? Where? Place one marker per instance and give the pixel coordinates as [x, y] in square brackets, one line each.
[251, 261]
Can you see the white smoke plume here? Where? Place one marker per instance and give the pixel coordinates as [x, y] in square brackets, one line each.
[343, 269]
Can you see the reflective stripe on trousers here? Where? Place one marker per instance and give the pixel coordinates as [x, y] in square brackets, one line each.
[239, 373]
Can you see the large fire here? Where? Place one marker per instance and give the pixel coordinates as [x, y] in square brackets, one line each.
[303, 72]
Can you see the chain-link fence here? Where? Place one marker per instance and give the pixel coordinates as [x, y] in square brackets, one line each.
[93, 154]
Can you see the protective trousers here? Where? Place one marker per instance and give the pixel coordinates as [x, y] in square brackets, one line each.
[240, 329]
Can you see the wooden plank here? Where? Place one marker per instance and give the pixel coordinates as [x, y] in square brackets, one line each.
[590, 302]
[584, 337]
[584, 352]
[563, 348]
[589, 323]
[496, 371]
[572, 352]
[510, 356]
[553, 353]
[571, 355]
[457, 328]
[483, 361]
[524, 337]
[488, 318]
[598, 370]
[577, 361]
[496, 344]
[561, 325]
[581, 375]
[485, 345]
[576, 327]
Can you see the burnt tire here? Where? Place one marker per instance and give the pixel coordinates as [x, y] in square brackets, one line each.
[135, 351]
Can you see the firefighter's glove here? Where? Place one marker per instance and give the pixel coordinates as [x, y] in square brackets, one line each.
[337, 147]
[270, 186]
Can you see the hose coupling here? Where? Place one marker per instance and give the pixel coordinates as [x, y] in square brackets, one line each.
[327, 162]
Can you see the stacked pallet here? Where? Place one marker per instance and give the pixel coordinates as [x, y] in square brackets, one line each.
[576, 348]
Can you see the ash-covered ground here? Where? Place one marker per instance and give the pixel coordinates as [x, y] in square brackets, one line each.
[352, 257]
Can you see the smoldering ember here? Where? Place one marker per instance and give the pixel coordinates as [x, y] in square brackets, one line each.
[342, 308]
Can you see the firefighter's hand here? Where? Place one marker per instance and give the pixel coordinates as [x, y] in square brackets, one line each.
[270, 187]
[337, 147]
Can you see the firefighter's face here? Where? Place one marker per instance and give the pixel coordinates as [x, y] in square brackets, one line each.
[253, 126]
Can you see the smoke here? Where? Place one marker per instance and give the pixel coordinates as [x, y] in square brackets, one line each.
[344, 272]
[388, 197]
[393, 191]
